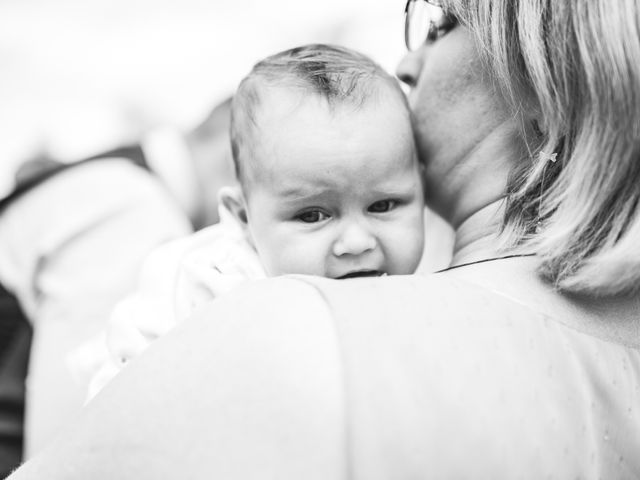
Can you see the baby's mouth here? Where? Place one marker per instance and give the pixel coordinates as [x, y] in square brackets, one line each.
[362, 273]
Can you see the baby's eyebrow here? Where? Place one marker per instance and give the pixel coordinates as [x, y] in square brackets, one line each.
[298, 192]
[292, 192]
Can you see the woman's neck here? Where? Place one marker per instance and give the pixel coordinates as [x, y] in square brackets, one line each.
[474, 193]
[476, 237]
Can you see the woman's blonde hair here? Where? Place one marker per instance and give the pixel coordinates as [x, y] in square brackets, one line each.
[576, 64]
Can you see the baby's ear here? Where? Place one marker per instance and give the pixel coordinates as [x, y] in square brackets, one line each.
[232, 199]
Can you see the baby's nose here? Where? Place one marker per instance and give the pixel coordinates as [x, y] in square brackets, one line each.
[354, 240]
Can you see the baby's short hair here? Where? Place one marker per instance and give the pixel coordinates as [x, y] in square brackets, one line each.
[337, 74]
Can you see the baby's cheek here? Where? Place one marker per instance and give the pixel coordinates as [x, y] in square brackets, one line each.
[293, 255]
[408, 244]
[268, 256]
[278, 260]
[304, 259]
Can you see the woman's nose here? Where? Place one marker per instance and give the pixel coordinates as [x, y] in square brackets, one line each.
[408, 70]
[354, 240]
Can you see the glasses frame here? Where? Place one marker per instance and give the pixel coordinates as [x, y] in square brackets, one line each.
[433, 28]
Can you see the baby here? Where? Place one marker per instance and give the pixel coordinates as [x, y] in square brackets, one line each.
[329, 185]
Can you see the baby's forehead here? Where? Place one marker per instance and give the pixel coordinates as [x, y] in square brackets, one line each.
[300, 129]
[278, 102]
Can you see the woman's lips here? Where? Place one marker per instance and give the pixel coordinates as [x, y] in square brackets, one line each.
[361, 273]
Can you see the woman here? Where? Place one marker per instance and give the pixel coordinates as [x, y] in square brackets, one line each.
[520, 361]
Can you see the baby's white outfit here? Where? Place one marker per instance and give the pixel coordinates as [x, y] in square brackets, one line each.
[176, 278]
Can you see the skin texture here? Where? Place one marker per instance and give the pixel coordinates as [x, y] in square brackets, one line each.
[334, 192]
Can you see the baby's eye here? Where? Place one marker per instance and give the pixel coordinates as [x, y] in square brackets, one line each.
[312, 216]
[382, 206]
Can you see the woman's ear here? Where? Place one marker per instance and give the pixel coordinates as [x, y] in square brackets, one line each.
[232, 199]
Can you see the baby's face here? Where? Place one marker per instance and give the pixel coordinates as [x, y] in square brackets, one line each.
[335, 193]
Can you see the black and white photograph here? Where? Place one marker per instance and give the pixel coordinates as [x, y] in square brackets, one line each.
[335, 240]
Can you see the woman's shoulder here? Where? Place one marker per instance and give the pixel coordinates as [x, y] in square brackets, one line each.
[499, 299]
[398, 377]
[436, 309]
[402, 304]
[433, 298]
[457, 370]
[294, 292]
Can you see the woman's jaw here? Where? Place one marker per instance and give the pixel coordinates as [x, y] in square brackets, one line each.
[471, 176]
[467, 187]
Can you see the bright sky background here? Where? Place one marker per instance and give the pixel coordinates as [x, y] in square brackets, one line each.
[80, 75]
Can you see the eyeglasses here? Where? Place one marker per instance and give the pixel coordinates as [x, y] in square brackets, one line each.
[424, 20]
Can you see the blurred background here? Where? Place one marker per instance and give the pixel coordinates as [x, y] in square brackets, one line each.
[79, 76]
